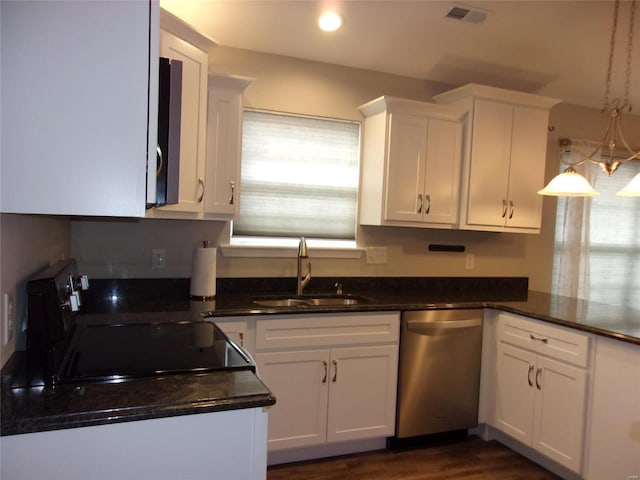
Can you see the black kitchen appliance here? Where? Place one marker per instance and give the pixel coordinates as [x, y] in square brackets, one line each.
[169, 124]
[67, 346]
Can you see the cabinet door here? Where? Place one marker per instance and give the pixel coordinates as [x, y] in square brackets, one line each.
[300, 381]
[224, 146]
[526, 170]
[515, 392]
[490, 152]
[405, 167]
[76, 130]
[362, 399]
[193, 121]
[442, 173]
[559, 412]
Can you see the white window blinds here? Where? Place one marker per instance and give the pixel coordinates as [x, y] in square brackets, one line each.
[299, 177]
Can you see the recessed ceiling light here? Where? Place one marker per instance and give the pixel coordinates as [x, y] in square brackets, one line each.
[330, 22]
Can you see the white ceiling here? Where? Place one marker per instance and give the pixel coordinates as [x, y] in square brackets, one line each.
[554, 48]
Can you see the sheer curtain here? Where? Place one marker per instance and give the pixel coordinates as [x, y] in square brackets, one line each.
[597, 251]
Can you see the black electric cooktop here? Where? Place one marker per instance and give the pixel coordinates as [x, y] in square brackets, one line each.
[118, 351]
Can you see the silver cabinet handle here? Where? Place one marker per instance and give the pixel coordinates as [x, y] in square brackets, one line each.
[335, 371]
[325, 365]
[420, 203]
[538, 339]
[233, 192]
[510, 209]
[538, 373]
[504, 208]
[529, 375]
[428, 198]
[201, 184]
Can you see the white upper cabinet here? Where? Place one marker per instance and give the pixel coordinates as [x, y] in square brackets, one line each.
[179, 42]
[77, 123]
[411, 163]
[224, 146]
[504, 159]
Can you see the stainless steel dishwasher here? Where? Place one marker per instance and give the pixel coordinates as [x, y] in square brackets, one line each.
[439, 376]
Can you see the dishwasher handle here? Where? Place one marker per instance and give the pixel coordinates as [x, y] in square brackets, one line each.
[440, 326]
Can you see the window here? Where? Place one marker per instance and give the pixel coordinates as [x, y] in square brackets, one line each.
[597, 252]
[299, 177]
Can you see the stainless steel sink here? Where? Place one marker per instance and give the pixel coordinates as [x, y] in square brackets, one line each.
[282, 302]
[310, 301]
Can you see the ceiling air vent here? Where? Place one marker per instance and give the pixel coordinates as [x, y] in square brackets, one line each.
[467, 14]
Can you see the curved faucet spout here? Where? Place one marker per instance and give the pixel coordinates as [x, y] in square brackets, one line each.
[302, 253]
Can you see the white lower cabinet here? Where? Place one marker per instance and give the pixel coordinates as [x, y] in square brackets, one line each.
[334, 377]
[540, 395]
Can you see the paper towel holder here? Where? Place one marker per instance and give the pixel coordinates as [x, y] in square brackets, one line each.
[203, 273]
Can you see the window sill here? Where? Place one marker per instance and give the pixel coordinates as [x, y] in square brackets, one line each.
[288, 248]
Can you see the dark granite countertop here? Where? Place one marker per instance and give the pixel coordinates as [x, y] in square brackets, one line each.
[28, 410]
[235, 297]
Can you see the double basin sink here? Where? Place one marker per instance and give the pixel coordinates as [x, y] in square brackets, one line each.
[306, 301]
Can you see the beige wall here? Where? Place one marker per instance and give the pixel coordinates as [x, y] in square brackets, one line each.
[123, 248]
[28, 243]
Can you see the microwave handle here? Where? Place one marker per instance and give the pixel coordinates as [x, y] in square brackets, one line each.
[160, 160]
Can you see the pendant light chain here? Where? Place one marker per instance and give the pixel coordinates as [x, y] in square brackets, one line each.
[612, 48]
[629, 54]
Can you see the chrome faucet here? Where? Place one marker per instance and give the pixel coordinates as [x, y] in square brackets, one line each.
[302, 253]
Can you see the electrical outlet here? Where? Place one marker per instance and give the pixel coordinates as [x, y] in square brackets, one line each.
[158, 258]
[376, 255]
[469, 261]
[7, 318]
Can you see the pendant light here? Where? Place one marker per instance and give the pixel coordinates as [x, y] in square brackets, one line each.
[613, 150]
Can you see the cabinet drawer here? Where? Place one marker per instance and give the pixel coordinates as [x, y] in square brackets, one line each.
[327, 330]
[550, 340]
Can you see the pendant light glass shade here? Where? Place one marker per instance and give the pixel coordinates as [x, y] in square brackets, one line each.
[632, 189]
[569, 184]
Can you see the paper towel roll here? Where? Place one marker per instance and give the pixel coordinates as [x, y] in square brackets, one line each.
[203, 274]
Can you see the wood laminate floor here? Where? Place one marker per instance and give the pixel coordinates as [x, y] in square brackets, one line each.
[468, 459]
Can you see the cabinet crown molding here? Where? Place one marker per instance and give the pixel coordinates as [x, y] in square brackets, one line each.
[226, 80]
[180, 28]
[475, 90]
[415, 107]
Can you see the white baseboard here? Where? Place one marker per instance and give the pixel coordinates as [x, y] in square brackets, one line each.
[324, 451]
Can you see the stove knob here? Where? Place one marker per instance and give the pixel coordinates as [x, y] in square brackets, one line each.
[74, 301]
[81, 282]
